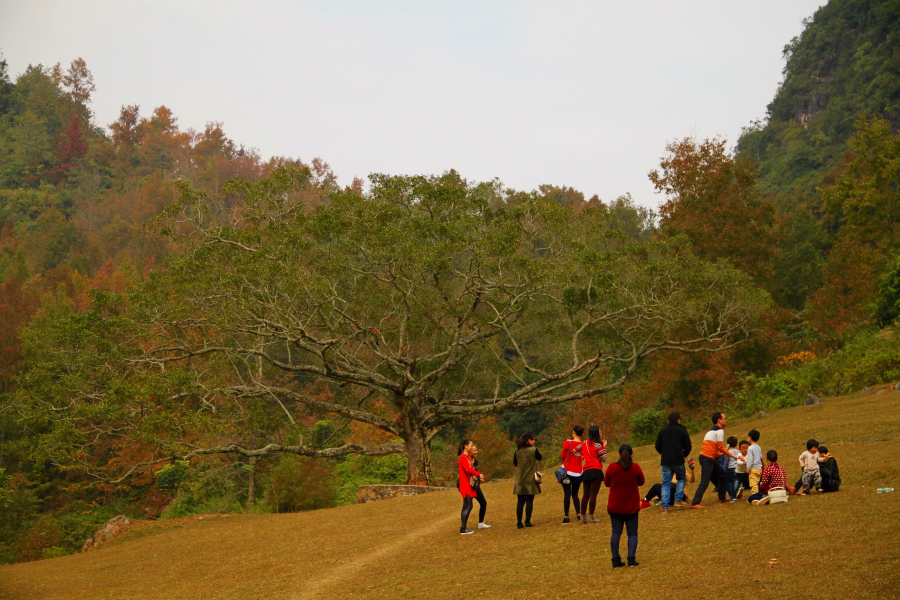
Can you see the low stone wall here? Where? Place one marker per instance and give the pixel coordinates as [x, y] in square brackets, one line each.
[374, 493]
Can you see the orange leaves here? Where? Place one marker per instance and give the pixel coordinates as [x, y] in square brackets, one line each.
[795, 358]
[844, 303]
[711, 197]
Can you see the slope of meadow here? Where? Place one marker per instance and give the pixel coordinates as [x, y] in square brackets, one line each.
[841, 545]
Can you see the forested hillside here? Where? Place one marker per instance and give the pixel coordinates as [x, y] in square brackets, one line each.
[179, 332]
[846, 63]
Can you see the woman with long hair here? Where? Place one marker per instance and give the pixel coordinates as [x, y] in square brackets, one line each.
[624, 478]
[467, 476]
[479, 495]
[593, 451]
[571, 457]
[527, 487]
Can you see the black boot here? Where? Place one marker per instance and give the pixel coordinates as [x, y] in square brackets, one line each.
[617, 562]
[519, 525]
[632, 562]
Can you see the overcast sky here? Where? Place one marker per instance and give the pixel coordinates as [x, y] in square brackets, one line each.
[583, 94]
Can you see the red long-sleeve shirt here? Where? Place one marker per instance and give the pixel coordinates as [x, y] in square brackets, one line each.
[466, 470]
[571, 456]
[594, 455]
[624, 489]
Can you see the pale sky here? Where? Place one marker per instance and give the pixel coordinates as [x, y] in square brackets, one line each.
[582, 94]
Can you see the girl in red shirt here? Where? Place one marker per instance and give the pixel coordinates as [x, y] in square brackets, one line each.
[624, 478]
[571, 457]
[593, 451]
[465, 450]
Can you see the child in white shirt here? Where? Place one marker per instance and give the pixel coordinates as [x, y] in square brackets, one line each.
[809, 462]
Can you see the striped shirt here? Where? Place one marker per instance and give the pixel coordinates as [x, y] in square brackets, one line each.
[713, 443]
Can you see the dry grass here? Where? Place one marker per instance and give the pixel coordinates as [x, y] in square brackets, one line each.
[842, 545]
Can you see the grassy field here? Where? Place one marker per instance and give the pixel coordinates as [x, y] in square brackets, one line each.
[843, 545]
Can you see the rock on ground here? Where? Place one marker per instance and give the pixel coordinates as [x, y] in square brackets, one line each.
[811, 399]
[114, 527]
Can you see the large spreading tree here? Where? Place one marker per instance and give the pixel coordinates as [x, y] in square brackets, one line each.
[424, 303]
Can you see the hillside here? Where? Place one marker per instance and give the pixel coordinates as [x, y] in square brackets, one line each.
[844, 63]
[841, 545]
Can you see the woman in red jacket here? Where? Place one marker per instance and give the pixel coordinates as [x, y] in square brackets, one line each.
[571, 457]
[593, 451]
[465, 450]
[624, 478]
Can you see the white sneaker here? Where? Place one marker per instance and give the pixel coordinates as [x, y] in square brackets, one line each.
[483, 526]
[763, 500]
[466, 532]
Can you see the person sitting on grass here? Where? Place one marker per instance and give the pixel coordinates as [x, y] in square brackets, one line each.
[828, 468]
[773, 477]
[809, 462]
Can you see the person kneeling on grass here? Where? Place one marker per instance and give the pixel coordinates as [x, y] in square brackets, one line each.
[773, 478]
[624, 479]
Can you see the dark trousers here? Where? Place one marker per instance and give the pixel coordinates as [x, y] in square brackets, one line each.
[570, 493]
[526, 501]
[656, 492]
[482, 503]
[629, 523]
[710, 470]
[466, 509]
[744, 479]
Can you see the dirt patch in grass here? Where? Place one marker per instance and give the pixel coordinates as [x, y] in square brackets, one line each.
[842, 545]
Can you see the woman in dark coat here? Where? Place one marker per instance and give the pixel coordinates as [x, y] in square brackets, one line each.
[526, 487]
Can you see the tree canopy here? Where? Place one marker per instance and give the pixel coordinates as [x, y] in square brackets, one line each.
[428, 302]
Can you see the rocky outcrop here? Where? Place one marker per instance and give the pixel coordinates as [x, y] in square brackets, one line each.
[113, 528]
[374, 493]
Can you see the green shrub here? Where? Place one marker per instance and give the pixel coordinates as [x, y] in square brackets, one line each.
[870, 359]
[171, 476]
[358, 470]
[54, 551]
[645, 425]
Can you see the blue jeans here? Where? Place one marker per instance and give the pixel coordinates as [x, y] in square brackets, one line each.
[733, 484]
[667, 473]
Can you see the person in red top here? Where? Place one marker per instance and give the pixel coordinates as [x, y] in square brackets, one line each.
[571, 457]
[594, 453]
[773, 476]
[466, 449]
[624, 479]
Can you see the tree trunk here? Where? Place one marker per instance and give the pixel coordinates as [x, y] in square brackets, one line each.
[418, 460]
[251, 489]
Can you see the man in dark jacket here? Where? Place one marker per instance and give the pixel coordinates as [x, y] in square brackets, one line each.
[673, 444]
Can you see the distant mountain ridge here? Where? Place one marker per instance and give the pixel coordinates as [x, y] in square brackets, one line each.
[846, 62]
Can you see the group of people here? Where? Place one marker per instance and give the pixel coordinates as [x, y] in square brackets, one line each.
[730, 466]
[583, 461]
[733, 467]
